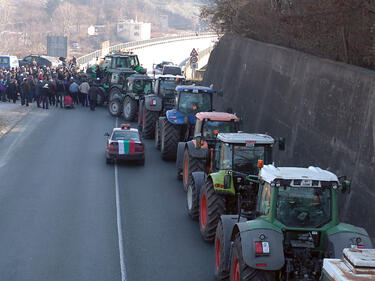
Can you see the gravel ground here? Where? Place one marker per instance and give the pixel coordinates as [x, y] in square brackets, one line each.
[10, 115]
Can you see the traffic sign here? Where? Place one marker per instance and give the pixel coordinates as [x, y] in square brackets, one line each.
[193, 59]
[194, 66]
[194, 53]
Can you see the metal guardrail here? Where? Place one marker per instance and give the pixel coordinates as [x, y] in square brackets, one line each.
[145, 43]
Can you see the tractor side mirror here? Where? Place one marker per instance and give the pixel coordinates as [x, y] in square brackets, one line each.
[220, 93]
[281, 142]
[345, 186]
[227, 181]
[106, 134]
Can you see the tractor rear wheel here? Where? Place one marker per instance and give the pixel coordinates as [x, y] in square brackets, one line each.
[114, 107]
[190, 165]
[221, 272]
[148, 122]
[211, 207]
[170, 136]
[240, 271]
[192, 199]
[130, 109]
[157, 134]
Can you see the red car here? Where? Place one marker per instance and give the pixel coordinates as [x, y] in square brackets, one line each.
[125, 143]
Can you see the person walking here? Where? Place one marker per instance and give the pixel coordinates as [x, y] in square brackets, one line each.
[60, 89]
[84, 89]
[3, 89]
[12, 89]
[73, 90]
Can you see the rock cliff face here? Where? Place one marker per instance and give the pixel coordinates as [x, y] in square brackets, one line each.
[324, 109]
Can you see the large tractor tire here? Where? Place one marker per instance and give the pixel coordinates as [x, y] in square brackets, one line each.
[221, 271]
[170, 136]
[148, 123]
[211, 207]
[192, 199]
[190, 165]
[114, 93]
[130, 109]
[114, 107]
[157, 134]
[240, 271]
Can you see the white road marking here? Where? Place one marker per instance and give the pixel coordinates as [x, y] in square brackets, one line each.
[119, 227]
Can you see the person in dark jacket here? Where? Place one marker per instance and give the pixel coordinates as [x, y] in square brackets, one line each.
[25, 89]
[38, 92]
[94, 91]
[60, 89]
[12, 89]
[45, 94]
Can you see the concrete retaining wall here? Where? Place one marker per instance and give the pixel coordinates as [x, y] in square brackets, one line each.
[324, 109]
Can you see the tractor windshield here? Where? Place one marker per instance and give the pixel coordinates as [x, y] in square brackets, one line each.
[245, 158]
[191, 103]
[142, 86]
[168, 86]
[303, 206]
[210, 127]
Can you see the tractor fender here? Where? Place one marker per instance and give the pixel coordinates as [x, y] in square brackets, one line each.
[157, 106]
[180, 155]
[199, 179]
[201, 153]
[250, 234]
[228, 222]
[345, 236]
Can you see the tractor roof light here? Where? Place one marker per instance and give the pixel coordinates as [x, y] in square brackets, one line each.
[260, 163]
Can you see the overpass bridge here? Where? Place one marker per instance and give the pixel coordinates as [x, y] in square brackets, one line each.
[174, 48]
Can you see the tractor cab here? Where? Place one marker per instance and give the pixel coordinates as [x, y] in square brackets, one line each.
[165, 89]
[241, 153]
[209, 124]
[191, 100]
[121, 60]
[138, 84]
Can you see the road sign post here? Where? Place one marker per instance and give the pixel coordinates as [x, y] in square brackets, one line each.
[193, 62]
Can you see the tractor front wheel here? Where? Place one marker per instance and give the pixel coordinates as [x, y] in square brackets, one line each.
[211, 207]
[190, 165]
[130, 109]
[192, 199]
[221, 271]
[240, 271]
[170, 136]
[114, 107]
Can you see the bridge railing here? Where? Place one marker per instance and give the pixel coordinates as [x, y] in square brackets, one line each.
[145, 43]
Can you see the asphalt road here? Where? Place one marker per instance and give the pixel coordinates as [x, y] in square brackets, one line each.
[58, 218]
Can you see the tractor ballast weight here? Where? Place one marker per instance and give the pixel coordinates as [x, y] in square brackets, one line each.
[296, 227]
[178, 123]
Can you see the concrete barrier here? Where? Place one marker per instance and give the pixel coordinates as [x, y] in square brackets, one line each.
[324, 109]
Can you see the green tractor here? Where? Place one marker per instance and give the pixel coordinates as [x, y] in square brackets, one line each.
[156, 104]
[121, 60]
[114, 83]
[209, 194]
[126, 100]
[195, 155]
[296, 226]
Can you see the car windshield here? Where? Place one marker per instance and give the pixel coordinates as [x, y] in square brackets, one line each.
[209, 128]
[303, 206]
[168, 86]
[142, 86]
[191, 103]
[246, 158]
[125, 135]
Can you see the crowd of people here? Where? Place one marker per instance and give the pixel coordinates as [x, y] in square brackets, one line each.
[47, 86]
